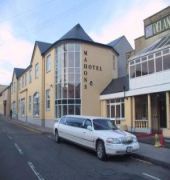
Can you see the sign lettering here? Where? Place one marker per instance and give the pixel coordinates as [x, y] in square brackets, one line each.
[157, 27]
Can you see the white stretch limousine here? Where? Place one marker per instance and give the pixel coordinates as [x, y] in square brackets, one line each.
[97, 133]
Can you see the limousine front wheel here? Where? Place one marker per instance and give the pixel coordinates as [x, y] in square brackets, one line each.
[100, 150]
[57, 138]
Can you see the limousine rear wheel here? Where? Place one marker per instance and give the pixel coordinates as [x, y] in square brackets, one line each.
[57, 138]
[100, 150]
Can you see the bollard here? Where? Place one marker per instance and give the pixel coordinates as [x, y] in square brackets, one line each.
[157, 142]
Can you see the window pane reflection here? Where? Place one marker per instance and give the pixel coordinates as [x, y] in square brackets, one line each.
[166, 62]
[152, 63]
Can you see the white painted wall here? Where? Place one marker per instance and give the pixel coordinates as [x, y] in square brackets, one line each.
[159, 78]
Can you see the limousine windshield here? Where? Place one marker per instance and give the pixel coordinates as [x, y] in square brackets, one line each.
[104, 124]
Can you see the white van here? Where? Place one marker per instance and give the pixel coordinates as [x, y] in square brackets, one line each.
[97, 133]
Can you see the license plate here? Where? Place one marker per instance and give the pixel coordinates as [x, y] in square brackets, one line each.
[129, 149]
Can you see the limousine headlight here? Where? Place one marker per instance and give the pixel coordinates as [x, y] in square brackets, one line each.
[113, 141]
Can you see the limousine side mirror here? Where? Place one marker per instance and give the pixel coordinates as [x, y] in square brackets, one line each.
[89, 128]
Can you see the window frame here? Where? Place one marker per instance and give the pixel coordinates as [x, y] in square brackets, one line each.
[151, 60]
[48, 63]
[47, 100]
[36, 104]
[36, 70]
[116, 104]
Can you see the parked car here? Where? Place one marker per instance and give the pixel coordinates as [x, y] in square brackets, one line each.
[97, 133]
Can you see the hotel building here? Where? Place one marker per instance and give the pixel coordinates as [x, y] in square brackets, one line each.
[76, 75]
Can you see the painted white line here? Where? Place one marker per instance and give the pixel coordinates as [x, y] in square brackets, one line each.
[18, 148]
[150, 176]
[38, 175]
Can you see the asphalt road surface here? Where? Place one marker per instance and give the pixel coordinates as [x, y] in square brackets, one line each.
[27, 154]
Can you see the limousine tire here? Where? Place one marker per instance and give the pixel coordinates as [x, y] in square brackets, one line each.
[100, 150]
[57, 138]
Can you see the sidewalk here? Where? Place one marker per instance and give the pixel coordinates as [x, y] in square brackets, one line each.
[42, 130]
[158, 156]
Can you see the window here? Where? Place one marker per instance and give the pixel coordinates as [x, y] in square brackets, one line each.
[132, 71]
[47, 100]
[152, 63]
[73, 121]
[158, 63]
[36, 70]
[14, 86]
[87, 123]
[25, 79]
[23, 106]
[151, 67]
[141, 107]
[48, 63]
[104, 124]
[115, 109]
[166, 61]
[30, 77]
[138, 69]
[68, 79]
[144, 68]
[22, 81]
[36, 104]
[14, 113]
[30, 104]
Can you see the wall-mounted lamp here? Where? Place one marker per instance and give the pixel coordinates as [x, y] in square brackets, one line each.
[91, 83]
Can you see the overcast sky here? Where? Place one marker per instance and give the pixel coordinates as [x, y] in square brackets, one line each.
[22, 22]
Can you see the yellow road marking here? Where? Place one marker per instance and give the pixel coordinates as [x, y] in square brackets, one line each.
[30, 129]
[140, 160]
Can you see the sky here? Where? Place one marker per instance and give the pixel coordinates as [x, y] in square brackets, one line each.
[22, 22]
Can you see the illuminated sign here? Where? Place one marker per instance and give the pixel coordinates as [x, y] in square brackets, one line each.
[157, 27]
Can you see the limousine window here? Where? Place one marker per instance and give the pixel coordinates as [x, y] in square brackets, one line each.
[62, 120]
[87, 123]
[73, 121]
[104, 124]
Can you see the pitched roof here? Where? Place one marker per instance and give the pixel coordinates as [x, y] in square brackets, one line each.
[43, 46]
[115, 42]
[18, 71]
[77, 32]
[117, 85]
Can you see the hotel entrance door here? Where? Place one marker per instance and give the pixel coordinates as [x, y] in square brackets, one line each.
[158, 111]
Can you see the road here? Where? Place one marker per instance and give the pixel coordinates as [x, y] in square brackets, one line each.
[27, 154]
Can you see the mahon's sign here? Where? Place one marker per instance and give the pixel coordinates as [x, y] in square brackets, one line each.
[88, 67]
[157, 27]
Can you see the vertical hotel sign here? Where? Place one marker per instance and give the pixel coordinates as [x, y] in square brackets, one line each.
[89, 67]
[157, 27]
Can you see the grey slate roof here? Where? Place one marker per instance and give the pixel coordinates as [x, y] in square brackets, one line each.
[117, 85]
[115, 42]
[43, 46]
[18, 71]
[77, 32]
